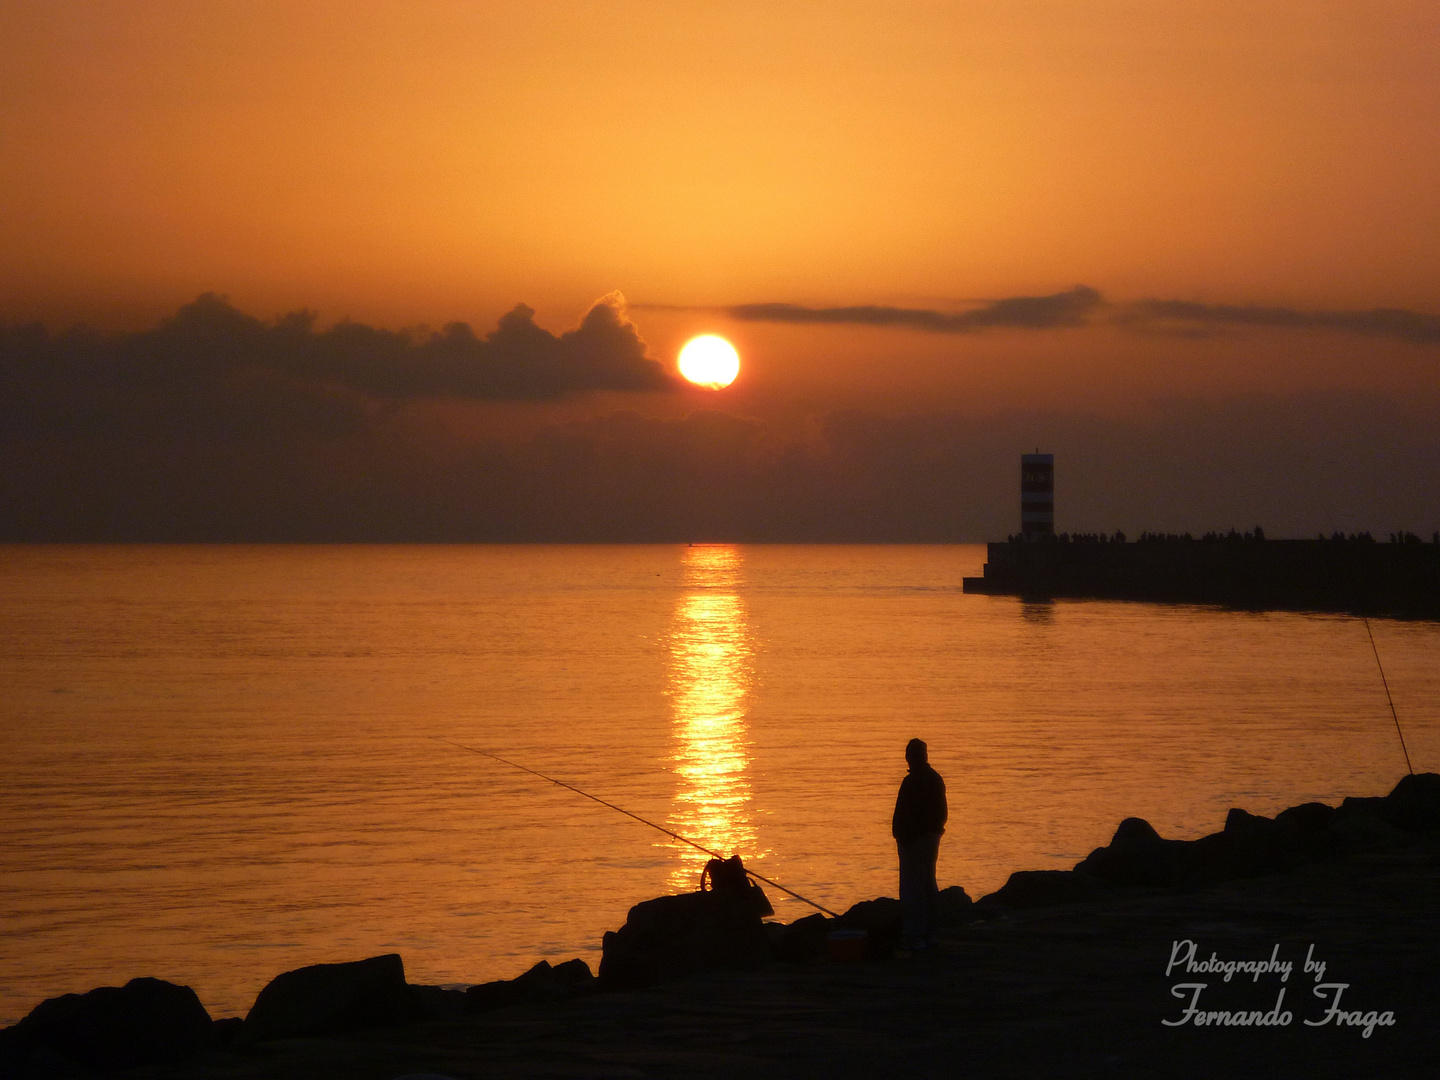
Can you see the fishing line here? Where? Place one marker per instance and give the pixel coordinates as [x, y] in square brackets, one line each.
[1371, 634]
[1385, 682]
[637, 817]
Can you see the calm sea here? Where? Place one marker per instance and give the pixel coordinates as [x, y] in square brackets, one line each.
[224, 762]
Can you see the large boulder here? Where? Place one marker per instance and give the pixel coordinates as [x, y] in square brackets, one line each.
[804, 939]
[325, 999]
[1310, 817]
[1359, 828]
[1242, 821]
[1365, 804]
[954, 906]
[1136, 855]
[882, 919]
[437, 1002]
[1302, 834]
[672, 936]
[1238, 852]
[1414, 804]
[144, 1022]
[541, 983]
[1042, 888]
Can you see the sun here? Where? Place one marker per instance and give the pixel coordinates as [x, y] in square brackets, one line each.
[709, 361]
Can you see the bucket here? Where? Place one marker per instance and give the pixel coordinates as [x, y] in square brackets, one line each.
[847, 946]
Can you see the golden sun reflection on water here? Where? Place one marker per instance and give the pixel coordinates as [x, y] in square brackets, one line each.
[710, 673]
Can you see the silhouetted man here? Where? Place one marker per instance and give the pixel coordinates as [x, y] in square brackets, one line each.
[919, 822]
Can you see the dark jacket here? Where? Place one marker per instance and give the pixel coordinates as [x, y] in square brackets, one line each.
[920, 807]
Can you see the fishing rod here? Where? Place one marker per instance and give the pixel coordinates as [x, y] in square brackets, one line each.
[637, 817]
[1371, 634]
[1386, 683]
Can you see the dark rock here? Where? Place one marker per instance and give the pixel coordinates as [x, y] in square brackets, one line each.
[775, 934]
[225, 1032]
[954, 906]
[1136, 855]
[1251, 846]
[1243, 850]
[576, 976]
[545, 983]
[325, 999]
[882, 919]
[499, 994]
[672, 936]
[1414, 805]
[45, 1064]
[1237, 821]
[872, 915]
[1042, 888]
[1378, 807]
[1296, 842]
[804, 939]
[848, 946]
[437, 1003]
[13, 1051]
[541, 983]
[986, 908]
[147, 1021]
[1306, 818]
[1359, 829]
[1134, 830]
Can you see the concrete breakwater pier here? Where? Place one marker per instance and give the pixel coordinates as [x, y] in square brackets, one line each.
[1246, 570]
[1058, 970]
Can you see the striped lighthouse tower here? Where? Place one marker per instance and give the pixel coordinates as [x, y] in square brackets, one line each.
[1037, 496]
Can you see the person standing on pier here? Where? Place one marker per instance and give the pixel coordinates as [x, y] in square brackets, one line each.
[918, 824]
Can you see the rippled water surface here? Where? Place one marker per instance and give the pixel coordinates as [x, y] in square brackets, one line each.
[224, 762]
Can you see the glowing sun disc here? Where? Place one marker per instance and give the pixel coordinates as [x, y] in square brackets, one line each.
[709, 361]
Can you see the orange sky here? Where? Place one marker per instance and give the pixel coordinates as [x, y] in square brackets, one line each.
[407, 163]
[414, 161]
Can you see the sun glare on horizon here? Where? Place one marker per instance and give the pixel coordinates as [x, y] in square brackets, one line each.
[709, 361]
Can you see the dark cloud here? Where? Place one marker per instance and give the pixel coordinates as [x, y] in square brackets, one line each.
[1395, 323]
[1070, 308]
[1297, 466]
[1082, 305]
[213, 369]
[217, 426]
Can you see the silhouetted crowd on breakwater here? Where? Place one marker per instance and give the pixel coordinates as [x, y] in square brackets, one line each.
[151, 1021]
[1342, 573]
[1232, 536]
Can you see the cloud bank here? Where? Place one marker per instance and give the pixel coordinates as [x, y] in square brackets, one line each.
[214, 426]
[1395, 323]
[1069, 308]
[211, 368]
[1296, 466]
[1084, 306]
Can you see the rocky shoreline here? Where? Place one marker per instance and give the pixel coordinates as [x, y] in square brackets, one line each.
[1090, 971]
